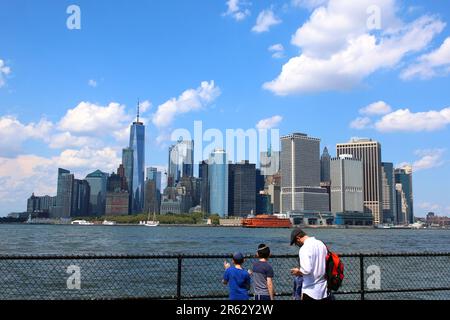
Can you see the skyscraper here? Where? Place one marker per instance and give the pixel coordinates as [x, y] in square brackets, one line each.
[403, 176]
[97, 183]
[137, 143]
[127, 161]
[80, 198]
[369, 152]
[181, 161]
[63, 208]
[241, 189]
[117, 197]
[204, 189]
[325, 166]
[300, 175]
[218, 182]
[389, 193]
[269, 162]
[347, 185]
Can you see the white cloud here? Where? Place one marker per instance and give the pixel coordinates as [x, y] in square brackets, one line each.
[428, 159]
[338, 50]
[431, 64]
[189, 100]
[67, 140]
[265, 20]
[269, 123]
[86, 159]
[236, 11]
[361, 123]
[430, 206]
[144, 106]
[92, 83]
[90, 118]
[309, 4]
[277, 50]
[25, 174]
[14, 133]
[376, 108]
[4, 71]
[405, 120]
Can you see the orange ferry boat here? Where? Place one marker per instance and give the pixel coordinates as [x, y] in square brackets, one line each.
[266, 221]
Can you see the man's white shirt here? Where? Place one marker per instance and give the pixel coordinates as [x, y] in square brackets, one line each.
[312, 256]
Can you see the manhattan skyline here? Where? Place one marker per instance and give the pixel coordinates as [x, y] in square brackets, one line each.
[68, 97]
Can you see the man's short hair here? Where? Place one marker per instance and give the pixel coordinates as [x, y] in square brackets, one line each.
[263, 251]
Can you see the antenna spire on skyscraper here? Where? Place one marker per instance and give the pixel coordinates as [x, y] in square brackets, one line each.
[138, 111]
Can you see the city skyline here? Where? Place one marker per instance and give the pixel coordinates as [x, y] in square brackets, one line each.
[76, 114]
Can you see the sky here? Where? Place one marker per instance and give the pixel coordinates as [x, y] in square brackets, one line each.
[70, 79]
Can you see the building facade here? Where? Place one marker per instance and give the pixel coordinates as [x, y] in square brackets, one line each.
[97, 202]
[369, 152]
[346, 185]
[269, 162]
[218, 182]
[300, 175]
[204, 187]
[389, 193]
[63, 207]
[137, 143]
[325, 162]
[181, 161]
[403, 176]
[241, 189]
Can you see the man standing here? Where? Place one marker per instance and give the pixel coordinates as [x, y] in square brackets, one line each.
[312, 254]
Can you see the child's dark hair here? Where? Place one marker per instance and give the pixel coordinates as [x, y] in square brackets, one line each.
[263, 251]
[238, 261]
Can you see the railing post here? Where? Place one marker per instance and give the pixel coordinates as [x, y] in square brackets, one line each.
[361, 275]
[180, 264]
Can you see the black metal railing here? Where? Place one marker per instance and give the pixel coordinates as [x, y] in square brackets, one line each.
[367, 276]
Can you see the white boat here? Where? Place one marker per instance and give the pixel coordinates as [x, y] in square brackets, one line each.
[82, 223]
[150, 223]
[108, 223]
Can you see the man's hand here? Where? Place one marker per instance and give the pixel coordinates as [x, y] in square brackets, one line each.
[226, 265]
[296, 272]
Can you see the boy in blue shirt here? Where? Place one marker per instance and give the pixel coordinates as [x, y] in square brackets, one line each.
[237, 278]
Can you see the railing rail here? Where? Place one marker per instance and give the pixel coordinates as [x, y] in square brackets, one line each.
[166, 276]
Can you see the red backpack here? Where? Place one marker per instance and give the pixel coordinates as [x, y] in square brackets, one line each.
[334, 271]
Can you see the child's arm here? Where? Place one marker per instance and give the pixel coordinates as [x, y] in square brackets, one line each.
[271, 288]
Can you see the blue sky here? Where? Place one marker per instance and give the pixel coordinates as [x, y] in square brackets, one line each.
[67, 96]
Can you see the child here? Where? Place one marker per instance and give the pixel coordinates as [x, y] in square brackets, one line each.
[262, 273]
[237, 278]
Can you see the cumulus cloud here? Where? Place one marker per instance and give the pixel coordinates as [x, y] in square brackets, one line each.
[361, 123]
[277, 50]
[309, 4]
[338, 50]
[431, 64]
[14, 133]
[269, 123]
[428, 159]
[265, 20]
[144, 106]
[376, 108]
[25, 174]
[237, 9]
[405, 120]
[189, 100]
[67, 140]
[4, 71]
[90, 118]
